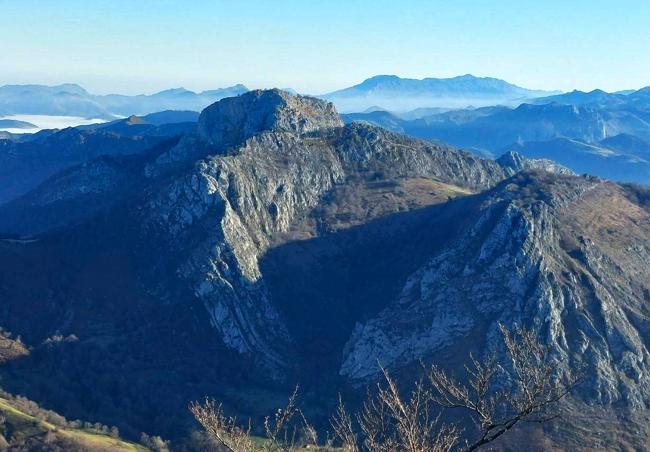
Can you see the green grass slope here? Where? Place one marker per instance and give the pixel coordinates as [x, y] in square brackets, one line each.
[22, 431]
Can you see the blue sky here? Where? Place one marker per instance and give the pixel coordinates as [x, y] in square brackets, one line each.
[317, 46]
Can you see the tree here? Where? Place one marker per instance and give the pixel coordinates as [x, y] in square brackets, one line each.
[280, 431]
[526, 388]
[497, 396]
[222, 429]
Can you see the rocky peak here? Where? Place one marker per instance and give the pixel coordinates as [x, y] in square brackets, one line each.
[513, 160]
[517, 162]
[231, 121]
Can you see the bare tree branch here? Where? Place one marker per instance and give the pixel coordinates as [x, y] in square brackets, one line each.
[531, 384]
[526, 387]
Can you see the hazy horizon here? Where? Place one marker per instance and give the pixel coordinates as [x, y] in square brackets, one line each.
[144, 47]
[208, 88]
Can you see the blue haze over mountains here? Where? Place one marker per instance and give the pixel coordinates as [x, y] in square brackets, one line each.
[600, 133]
[604, 134]
[73, 100]
[402, 94]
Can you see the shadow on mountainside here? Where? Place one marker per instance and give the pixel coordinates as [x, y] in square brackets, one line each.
[323, 286]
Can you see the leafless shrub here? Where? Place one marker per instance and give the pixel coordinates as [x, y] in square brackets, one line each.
[390, 423]
[344, 429]
[155, 443]
[288, 429]
[526, 388]
[222, 429]
[497, 396]
[277, 432]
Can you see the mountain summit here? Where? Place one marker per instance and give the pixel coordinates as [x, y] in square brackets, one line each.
[234, 119]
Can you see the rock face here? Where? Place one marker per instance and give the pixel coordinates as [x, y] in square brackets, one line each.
[235, 119]
[561, 255]
[518, 162]
[277, 156]
[274, 244]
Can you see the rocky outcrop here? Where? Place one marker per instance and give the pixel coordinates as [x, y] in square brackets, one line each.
[270, 159]
[531, 256]
[233, 120]
[270, 177]
[517, 162]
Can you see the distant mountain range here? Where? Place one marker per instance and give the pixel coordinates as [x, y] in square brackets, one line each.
[597, 132]
[388, 92]
[73, 100]
[16, 124]
[600, 98]
[393, 93]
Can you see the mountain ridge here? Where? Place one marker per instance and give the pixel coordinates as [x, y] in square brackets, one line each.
[274, 244]
[401, 94]
[73, 100]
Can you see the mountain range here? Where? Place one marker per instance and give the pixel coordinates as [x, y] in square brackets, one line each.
[27, 160]
[599, 133]
[270, 244]
[387, 91]
[15, 124]
[393, 93]
[73, 100]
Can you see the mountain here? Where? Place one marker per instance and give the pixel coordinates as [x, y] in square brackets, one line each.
[14, 124]
[73, 100]
[163, 123]
[380, 118]
[535, 123]
[600, 158]
[600, 98]
[171, 99]
[76, 193]
[558, 252]
[185, 244]
[274, 245]
[26, 426]
[631, 144]
[603, 134]
[170, 117]
[60, 100]
[402, 94]
[420, 113]
[27, 162]
[580, 98]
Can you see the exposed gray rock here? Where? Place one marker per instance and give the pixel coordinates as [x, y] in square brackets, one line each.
[514, 265]
[269, 158]
[233, 120]
[244, 209]
[518, 162]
